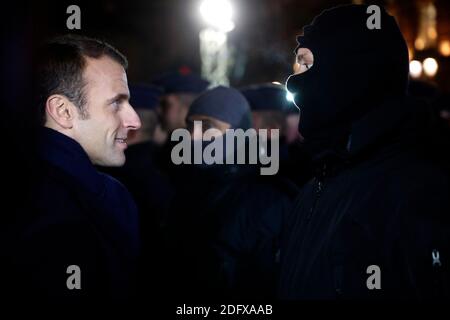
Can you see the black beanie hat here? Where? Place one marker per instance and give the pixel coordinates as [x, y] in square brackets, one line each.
[355, 68]
[143, 96]
[181, 81]
[225, 104]
[268, 97]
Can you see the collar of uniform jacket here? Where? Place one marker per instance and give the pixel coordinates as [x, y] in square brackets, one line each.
[386, 122]
[66, 154]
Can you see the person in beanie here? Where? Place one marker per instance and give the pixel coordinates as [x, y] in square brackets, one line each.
[269, 106]
[180, 88]
[272, 110]
[227, 217]
[374, 223]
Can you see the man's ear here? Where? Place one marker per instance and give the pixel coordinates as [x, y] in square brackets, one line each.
[61, 110]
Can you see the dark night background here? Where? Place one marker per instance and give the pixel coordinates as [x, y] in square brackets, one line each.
[162, 35]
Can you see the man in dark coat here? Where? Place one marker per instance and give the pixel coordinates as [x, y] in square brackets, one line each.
[227, 218]
[141, 173]
[374, 223]
[150, 187]
[79, 239]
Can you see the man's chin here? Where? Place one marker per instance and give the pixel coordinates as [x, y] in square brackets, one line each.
[116, 161]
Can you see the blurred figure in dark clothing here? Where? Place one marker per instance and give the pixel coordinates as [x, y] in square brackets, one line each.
[271, 110]
[423, 90]
[268, 105]
[377, 199]
[441, 108]
[292, 120]
[227, 217]
[180, 89]
[78, 216]
[146, 100]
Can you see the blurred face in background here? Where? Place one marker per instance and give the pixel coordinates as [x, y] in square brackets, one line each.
[445, 115]
[269, 120]
[198, 129]
[292, 133]
[150, 128]
[174, 109]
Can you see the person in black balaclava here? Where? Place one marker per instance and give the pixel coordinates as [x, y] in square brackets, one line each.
[353, 69]
[374, 222]
[227, 218]
[269, 106]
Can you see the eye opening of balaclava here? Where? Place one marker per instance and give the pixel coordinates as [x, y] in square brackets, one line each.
[355, 69]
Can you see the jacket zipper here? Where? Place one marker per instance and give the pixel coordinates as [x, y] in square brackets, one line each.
[317, 191]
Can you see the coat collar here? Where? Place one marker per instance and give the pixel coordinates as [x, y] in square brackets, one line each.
[382, 122]
[67, 154]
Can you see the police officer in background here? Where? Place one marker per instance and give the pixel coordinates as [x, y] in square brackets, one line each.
[227, 218]
[180, 90]
[272, 110]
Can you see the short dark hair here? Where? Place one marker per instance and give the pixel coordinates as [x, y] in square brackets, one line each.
[60, 66]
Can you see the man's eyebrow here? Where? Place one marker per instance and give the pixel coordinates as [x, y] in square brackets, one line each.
[208, 122]
[119, 97]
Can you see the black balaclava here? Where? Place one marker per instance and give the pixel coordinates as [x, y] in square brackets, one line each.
[355, 69]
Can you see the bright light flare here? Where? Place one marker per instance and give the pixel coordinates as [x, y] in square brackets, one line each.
[289, 96]
[430, 67]
[218, 14]
[415, 68]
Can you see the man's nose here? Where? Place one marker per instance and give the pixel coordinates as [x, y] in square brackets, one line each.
[131, 119]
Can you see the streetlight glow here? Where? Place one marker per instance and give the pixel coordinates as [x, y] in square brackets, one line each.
[415, 68]
[430, 66]
[444, 48]
[218, 14]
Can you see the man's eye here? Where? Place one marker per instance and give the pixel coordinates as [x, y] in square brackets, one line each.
[207, 126]
[304, 67]
[115, 104]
